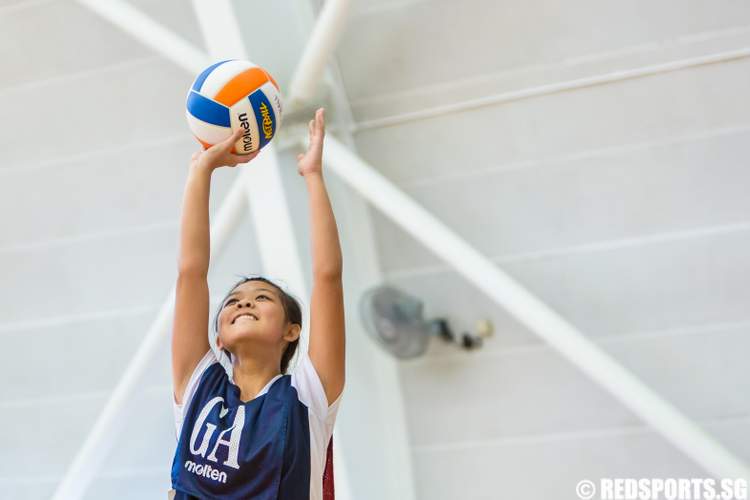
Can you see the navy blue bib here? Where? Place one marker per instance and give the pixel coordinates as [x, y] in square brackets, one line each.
[228, 449]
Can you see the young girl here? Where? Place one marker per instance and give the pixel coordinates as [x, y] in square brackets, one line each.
[249, 430]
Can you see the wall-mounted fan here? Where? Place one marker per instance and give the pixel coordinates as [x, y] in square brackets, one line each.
[394, 320]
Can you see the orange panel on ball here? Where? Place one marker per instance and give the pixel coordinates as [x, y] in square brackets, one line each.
[240, 86]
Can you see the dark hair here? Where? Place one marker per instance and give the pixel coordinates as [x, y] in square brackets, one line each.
[292, 311]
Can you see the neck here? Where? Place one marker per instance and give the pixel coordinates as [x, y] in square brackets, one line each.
[252, 373]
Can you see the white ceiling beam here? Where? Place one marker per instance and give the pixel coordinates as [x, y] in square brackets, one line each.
[319, 48]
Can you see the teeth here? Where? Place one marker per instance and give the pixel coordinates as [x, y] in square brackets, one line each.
[246, 316]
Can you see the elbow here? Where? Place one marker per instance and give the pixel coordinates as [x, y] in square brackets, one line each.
[328, 274]
[331, 270]
[187, 269]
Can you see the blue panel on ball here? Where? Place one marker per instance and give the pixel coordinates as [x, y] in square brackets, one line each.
[202, 77]
[264, 115]
[208, 110]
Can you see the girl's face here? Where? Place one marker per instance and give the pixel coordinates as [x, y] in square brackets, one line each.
[252, 310]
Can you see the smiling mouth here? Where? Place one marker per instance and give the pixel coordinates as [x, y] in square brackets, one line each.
[249, 315]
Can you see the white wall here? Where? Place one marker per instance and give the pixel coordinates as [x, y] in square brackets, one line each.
[622, 205]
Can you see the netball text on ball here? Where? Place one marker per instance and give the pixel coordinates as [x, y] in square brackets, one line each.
[267, 121]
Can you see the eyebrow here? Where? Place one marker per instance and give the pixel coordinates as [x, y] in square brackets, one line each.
[256, 290]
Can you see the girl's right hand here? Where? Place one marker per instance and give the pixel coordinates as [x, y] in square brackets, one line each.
[220, 154]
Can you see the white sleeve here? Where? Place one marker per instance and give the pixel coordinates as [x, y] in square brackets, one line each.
[208, 359]
[310, 390]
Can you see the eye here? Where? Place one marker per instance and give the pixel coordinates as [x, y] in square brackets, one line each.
[259, 296]
[229, 302]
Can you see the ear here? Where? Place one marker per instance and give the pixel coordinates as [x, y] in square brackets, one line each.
[293, 333]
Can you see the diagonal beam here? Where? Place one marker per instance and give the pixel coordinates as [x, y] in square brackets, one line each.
[155, 36]
[681, 431]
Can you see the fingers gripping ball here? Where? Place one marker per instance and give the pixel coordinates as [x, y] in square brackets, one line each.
[231, 94]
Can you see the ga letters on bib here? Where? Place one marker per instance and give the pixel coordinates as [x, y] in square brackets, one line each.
[277, 446]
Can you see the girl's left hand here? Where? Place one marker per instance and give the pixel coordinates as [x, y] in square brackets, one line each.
[311, 161]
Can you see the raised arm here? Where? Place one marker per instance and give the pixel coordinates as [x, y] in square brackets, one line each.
[327, 339]
[189, 335]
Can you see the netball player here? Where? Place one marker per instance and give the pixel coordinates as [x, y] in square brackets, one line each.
[247, 429]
